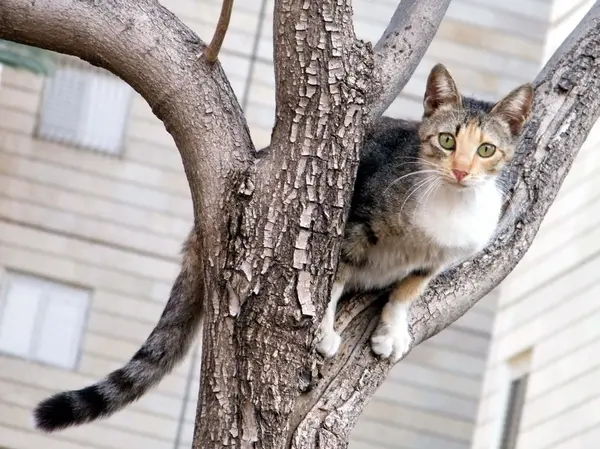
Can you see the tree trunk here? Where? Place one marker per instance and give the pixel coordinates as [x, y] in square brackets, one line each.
[269, 222]
[283, 249]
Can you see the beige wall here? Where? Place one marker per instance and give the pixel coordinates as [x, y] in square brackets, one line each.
[549, 309]
[115, 225]
[112, 225]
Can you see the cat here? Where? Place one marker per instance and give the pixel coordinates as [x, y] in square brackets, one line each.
[427, 196]
[414, 242]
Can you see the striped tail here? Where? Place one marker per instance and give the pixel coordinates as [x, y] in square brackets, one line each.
[166, 346]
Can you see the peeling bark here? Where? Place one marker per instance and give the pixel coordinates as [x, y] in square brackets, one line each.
[270, 222]
[284, 252]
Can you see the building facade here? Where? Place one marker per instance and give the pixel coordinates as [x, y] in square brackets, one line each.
[94, 206]
[540, 389]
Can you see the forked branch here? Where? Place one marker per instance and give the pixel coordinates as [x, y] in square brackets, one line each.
[566, 107]
[212, 51]
[154, 52]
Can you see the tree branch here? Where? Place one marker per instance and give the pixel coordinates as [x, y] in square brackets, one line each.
[154, 52]
[567, 105]
[401, 48]
[212, 51]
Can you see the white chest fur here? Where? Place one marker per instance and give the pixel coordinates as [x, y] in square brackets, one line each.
[460, 218]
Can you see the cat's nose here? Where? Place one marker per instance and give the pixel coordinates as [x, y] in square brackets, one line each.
[459, 174]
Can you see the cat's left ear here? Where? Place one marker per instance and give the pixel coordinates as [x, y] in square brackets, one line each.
[441, 91]
[514, 109]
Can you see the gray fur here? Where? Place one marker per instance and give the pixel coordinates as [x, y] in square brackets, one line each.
[387, 242]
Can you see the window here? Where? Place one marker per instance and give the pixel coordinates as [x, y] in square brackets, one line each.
[84, 106]
[519, 376]
[514, 409]
[41, 320]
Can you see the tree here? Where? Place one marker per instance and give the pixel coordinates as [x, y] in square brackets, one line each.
[270, 222]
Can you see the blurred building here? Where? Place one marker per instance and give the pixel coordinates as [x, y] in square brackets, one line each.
[541, 388]
[94, 206]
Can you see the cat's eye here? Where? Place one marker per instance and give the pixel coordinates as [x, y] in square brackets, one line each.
[486, 150]
[447, 141]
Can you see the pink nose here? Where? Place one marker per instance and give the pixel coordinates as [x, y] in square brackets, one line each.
[460, 174]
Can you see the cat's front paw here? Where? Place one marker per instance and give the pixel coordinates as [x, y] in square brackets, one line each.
[329, 343]
[391, 341]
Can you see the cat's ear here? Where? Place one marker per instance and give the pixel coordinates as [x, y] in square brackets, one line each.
[441, 90]
[515, 108]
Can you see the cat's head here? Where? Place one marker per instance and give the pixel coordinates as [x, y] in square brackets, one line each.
[469, 141]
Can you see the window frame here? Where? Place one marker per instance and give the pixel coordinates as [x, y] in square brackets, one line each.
[513, 412]
[33, 353]
[65, 61]
[517, 375]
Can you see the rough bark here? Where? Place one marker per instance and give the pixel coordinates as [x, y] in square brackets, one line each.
[283, 252]
[270, 222]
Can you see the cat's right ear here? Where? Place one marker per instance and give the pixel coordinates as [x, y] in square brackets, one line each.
[441, 91]
[515, 108]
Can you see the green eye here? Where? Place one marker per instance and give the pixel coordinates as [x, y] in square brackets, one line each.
[447, 141]
[486, 150]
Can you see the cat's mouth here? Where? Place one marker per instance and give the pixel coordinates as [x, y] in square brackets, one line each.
[463, 184]
[459, 184]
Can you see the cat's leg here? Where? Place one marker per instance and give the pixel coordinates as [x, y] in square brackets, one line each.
[328, 340]
[392, 337]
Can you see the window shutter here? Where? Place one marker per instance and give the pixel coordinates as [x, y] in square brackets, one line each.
[85, 107]
[20, 306]
[104, 112]
[41, 320]
[61, 326]
[62, 105]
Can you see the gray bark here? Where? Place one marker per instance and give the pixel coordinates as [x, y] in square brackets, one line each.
[270, 222]
[401, 48]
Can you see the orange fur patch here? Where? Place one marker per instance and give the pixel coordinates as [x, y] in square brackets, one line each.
[409, 289]
[465, 157]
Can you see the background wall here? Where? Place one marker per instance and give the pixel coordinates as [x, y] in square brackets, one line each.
[112, 226]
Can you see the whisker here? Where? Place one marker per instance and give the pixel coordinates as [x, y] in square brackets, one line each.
[508, 200]
[428, 193]
[425, 196]
[412, 191]
[397, 180]
[422, 184]
[420, 160]
[504, 191]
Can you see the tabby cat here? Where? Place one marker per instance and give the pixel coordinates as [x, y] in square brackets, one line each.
[426, 196]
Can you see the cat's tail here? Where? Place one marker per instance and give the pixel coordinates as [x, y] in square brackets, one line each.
[166, 346]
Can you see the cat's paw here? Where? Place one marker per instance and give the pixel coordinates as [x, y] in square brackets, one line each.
[329, 343]
[391, 342]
